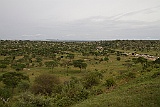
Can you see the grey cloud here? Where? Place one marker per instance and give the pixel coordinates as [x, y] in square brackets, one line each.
[146, 11]
[79, 19]
[107, 29]
[93, 28]
[32, 35]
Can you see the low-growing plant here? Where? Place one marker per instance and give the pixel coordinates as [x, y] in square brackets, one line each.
[23, 86]
[5, 95]
[74, 90]
[96, 91]
[92, 79]
[118, 58]
[106, 59]
[109, 83]
[64, 102]
[30, 100]
[131, 75]
[156, 74]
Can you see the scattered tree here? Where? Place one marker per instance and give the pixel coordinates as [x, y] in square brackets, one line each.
[70, 56]
[12, 79]
[80, 64]
[51, 64]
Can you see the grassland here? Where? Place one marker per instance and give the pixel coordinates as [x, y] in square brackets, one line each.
[140, 92]
[134, 86]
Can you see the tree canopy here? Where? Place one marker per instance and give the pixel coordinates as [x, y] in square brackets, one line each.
[12, 79]
[80, 64]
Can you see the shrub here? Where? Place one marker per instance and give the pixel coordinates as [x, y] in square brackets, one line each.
[156, 74]
[64, 102]
[74, 90]
[131, 75]
[44, 84]
[96, 91]
[57, 89]
[29, 100]
[109, 83]
[106, 59]
[5, 94]
[118, 58]
[23, 86]
[91, 79]
[157, 61]
[146, 69]
[18, 66]
[81, 95]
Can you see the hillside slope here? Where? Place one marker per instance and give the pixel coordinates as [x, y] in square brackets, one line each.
[140, 92]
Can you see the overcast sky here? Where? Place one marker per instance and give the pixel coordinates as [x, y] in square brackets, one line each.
[79, 19]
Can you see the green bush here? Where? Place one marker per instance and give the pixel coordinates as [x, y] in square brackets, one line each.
[74, 90]
[96, 91]
[5, 95]
[91, 79]
[156, 74]
[82, 95]
[109, 83]
[30, 100]
[44, 84]
[131, 75]
[23, 86]
[72, 96]
[118, 58]
[64, 102]
[106, 59]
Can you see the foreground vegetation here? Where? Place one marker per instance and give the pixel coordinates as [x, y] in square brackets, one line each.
[80, 74]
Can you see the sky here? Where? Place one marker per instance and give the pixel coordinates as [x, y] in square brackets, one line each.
[79, 19]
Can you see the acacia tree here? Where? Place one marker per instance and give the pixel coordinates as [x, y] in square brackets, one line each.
[39, 61]
[66, 64]
[18, 66]
[80, 64]
[70, 56]
[12, 79]
[51, 64]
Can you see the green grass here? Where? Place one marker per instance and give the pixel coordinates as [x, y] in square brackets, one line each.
[143, 91]
[129, 92]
